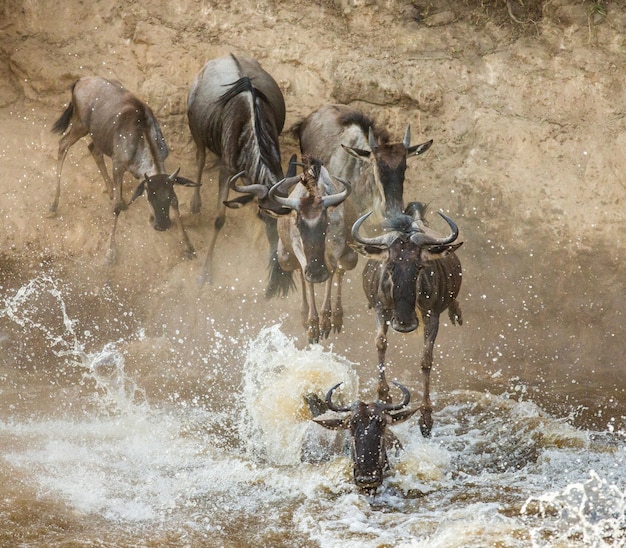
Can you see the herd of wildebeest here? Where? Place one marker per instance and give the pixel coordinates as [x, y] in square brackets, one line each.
[351, 175]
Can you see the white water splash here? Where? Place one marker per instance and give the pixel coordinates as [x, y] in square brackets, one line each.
[31, 307]
[592, 512]
[276, 377]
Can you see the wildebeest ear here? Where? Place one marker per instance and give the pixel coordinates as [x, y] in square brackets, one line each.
[185, 182]
[402, 415]
[332, 423]
[370, 251]
[357, 152]
[416, 150]
[439, 251]
[141, 187]
[240, 201]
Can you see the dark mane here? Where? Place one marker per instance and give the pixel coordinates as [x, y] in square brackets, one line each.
[399, 222]
[365, 122]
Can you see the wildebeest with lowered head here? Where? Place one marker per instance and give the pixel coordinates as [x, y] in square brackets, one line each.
[413, 275]
[352, 147]
[367, 425]
[125, 129]
[313, 239]
[237, 111]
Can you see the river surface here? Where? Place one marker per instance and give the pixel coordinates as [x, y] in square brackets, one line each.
[112, 436]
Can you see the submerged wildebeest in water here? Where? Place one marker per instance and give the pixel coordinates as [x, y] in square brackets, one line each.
[354, 148]
[413, 275]
[237, 111]
[313, 239]
[367, 426]
[125, 129]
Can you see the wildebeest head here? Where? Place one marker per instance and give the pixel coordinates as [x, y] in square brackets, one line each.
[389, 165]
[402, 251]
[311, 213]
[159, 190]
[367, 424]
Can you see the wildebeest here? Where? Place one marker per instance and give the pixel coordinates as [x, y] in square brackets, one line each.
[237, 111]
[124, 128]
[345, 139]
[413, 275]
[370, 438]
[313, 239]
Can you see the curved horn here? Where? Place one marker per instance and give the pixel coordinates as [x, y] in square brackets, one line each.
[336, 199]
[380, 241]
[371, 140]
[290, 203]
[405, 401]
[422, 239]
[258, 190]
[331, 405]
[173, 176]
[407, 137]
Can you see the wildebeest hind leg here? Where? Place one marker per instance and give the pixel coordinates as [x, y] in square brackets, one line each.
[76, 132]
[207, 269]
[196, 200]
[99, 159]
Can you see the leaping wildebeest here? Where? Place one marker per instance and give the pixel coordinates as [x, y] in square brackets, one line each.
[413, 275]
[125, 129]
[352, 147]
[237, 111]
[367, 425]
[313, 238]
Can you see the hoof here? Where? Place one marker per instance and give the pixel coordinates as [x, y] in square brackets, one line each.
[426, 424]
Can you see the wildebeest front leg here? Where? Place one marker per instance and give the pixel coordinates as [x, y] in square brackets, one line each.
[220, 219]
[431, 327]
[102, 168]
[111, 256]
[325, 320]
[383, 386]
[190, 252]
[304, 306]
[313, 321]
[383, 317]
[118, 178]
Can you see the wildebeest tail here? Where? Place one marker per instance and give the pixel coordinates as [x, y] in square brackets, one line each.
[280, 281]
[296, 129]
[64, 120]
